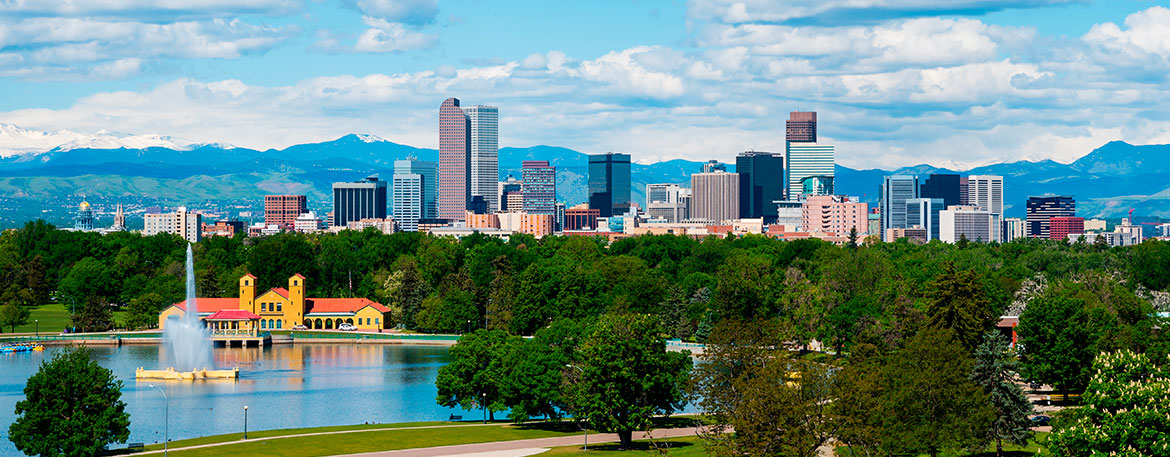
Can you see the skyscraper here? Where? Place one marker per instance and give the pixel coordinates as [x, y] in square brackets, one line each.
[986, 193]
[715, 196]
[283, 210]
[354, 201]
[667, 201]
[924, 212]
[1043, 208]
[484, 153]
[508, 190]
[944, 186]
[801, 127]
[609, 183]
[805, 160]
[761, 183]
[970, 222]
[712, 166]
[896, 190]
[414, 192]
[539, 186]
[454, 160]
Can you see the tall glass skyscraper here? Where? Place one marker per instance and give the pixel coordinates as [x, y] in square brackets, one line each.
[609, 183]
[414, 192]
[896, 190]
[484, 147]
[358, 200]
[805, 160]
[1043, 208]
[454, 160]
[924, 212]
[539, 186]
[944, 186]
[761, 184]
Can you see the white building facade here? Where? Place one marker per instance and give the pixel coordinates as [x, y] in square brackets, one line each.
[484, 153]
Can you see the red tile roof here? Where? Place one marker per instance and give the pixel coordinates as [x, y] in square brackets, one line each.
[340, 305]
[232, 315]
[280, 291]
[298, 275]
[211, 305]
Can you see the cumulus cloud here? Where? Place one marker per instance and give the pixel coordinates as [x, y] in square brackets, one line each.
[845, 11]
[1144, 42]
[147, 10]
[384, 36]
[413, 12]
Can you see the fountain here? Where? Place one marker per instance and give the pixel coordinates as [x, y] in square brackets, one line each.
[187, 342]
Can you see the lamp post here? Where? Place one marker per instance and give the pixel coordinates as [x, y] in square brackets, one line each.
[469, 326]
[245, 421]
[484, 404]
[37, 322]
[166, 418]
[586, 420]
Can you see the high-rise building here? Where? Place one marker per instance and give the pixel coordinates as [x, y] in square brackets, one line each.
[408, 200]
[963, 194]
[283, 210]
[712, 166]
[715, 196]
[923, 212]
[454, 160]
[834, 214]
[185, 224]
[428, 186]
[804, 160]
[667, 202]
[539, 187]
[968, 221]
[484, 153]
[353, 201]
[1013, 228]
[790, 215]
[83, 221]
[505, 190]
[801, 127]
[817, 185]
[609, 183]
[896, 190]
[761, 184]
[986, 192]
[1043, 208]
[944, 186]
[1060, 227]
[581, 217]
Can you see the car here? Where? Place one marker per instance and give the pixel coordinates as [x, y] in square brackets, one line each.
[1040, 421]
[346, 327]
[299, 327]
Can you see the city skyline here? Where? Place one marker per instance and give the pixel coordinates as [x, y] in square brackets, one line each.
[1056, 79]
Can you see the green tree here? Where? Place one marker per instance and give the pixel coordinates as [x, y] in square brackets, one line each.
[13, 315]
[474, 377]
[89, 280]
[143, 311]
[72, 407]
[859, 404]
[535, 368]
[995, 371]
[1125, 410]
[627, 376]
[762, 401]
[930, 405]
[1057, 345]
[959, 302]
[406, 289]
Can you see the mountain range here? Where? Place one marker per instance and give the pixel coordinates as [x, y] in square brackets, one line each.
[1106, 182]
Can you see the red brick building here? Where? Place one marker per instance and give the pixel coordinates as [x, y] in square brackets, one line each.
[283, 210]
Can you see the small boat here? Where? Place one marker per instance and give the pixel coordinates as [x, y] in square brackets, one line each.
[10, 348]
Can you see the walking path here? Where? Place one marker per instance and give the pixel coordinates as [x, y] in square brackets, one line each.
[521, 447]
[338, 432]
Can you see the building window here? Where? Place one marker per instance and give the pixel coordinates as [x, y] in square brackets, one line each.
[262, 324]
[378, 321]
[278, 307]
[263, 307]
[279, 324]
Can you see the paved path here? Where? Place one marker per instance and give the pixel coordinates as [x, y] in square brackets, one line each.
[521, 447]
[338, 432]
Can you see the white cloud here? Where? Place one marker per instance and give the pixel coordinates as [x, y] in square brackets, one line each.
[642, 71]
[1144, 41]
[383, 36]
[165, 10]
[414, 12]
[845, 11]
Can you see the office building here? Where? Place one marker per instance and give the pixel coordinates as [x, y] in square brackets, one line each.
[715, 196]
[817, 185]
[1013, 229]
[408, 200]
[801, 127]
[182, 223]
[944, 186]
[478, 205]
[358, 200]
[834, 214]
[609, 183]
[789, 215]
[454, 160]
[1095, 225]
[581, 217]
[874, 218]
[712, 166]
[283, 210]
[667, 202]
[968, 221]
[923, 213]
[1042, 208]
[506, 189]
[228, 228]
[480, 220]
[428, 177]
[803, 160]
[896, 190]
[761, 183]
[1060, 227]
[916, 235]
[308, 222]
[539, 187]
[484, 122]
[986, 192]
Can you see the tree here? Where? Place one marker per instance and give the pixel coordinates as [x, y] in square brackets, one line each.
[963, 241]
[1056, 342]
[89, 280]
[995, 371]
[852, 244]
[859, 405]
[762, 401]
[958, 302]
[476, 372]
[1125, 410]
[627, 376]
[143, 311]
[535, 368]
[94, 316]
[930, 405]
[13, 315]
[406, 290]
[72, 407]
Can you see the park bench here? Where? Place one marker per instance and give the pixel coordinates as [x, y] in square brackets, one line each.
[455, 418]
[135, 446]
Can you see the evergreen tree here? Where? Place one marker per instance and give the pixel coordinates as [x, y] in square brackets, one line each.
[958, 302]
[995, 371]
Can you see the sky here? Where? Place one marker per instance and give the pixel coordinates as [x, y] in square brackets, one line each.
[956, 83]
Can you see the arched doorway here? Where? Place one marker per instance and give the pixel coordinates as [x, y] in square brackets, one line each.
[328, 324]
[263, 324]
[349, 321]
[318, 324]
[279, 324]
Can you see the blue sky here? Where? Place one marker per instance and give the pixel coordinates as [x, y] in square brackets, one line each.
[896, 82]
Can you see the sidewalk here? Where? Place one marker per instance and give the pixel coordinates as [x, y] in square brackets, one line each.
[521, 447]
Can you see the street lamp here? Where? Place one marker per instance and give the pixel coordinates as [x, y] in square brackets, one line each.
[37, 322]
[245, 421]
[586, 420]
[469, 326]
[484, 404]
[166, 418]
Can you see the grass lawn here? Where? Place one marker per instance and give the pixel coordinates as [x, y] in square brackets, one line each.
[691, 446]
[54, 318]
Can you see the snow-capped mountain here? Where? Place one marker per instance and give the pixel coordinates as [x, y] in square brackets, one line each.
[15, 141]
